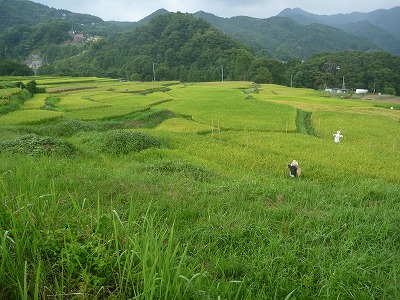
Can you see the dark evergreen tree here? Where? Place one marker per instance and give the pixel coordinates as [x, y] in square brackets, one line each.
[12, 68]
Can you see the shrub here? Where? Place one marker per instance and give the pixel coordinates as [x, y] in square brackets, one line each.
[15, 103]
[33, 144]
[12, 68]
[32, 87]
[67, 128]
[124, 142]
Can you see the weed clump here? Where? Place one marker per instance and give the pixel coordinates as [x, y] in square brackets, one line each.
[33, 144]
[69, 128]
[124, 142]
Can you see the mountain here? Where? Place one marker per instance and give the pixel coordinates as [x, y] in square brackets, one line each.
[34, 33]
[386, 19]
[284, 38]
[23, 12]
[176, 45]
[380, 26]
[31, 29]
[381, 37]
[147, 19]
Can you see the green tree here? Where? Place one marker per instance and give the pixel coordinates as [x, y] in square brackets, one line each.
[142, 65]
[163, 73]
[377, 71]
[263, 75]
[242, 64]
[46, 70]
[32, 87]
[265, 70]
[12, 68]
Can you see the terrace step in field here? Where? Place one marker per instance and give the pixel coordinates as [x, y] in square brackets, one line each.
[184, 193]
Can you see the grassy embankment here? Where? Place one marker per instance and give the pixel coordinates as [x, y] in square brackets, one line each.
[109, 191]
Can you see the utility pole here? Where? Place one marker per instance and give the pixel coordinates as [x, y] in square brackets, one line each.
[222, 73]
[343, 86]
[154, 73]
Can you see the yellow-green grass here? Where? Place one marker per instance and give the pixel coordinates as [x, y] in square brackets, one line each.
[118, 105]
[231, 109]
[28, 116]
[369, 134]
[96, 94]
[97, 113]
[375, 130]
[185, 125]
[273, 90]
[71, 86]
[8, 79]
[123, 99]
[142, 86]
[66, 88]
[268, 154]
[228, 84]
[137, 87]
[77, 102]
[50, 80]
[4, 93]
[36, 102]
[312, 100]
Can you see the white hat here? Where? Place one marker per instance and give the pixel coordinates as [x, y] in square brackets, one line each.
[295, 163]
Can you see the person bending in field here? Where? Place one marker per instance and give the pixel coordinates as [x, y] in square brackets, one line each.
[294, 170]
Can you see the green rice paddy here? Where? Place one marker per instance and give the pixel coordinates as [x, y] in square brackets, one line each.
[168, 190]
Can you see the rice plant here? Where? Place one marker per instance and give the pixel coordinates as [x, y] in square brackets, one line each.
[184, 193]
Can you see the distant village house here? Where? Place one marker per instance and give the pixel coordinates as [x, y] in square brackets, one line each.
[336, 90]
[78, 37]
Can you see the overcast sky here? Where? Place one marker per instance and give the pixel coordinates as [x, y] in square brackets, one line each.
[135, 10]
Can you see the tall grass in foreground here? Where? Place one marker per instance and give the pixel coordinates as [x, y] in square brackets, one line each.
[113, 229]
[88, 257]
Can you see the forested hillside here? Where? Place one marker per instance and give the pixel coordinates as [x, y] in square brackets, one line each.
[27, 27]
[283, 38]
[381, 27]
[277, 37]
[23, 12]
[179, 45]
[18, 42]
[376, 71]
[385, 19]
